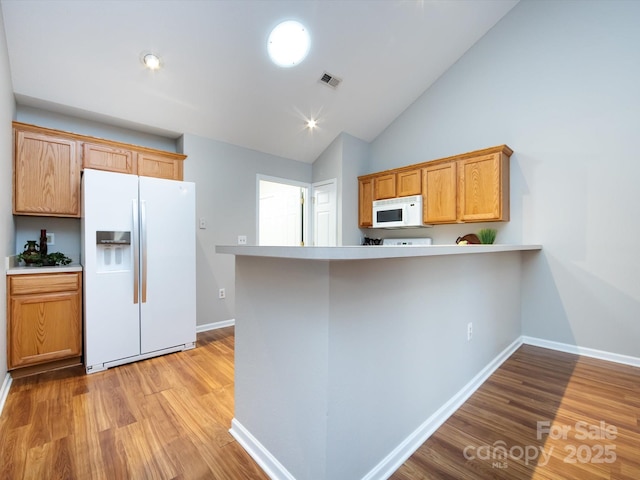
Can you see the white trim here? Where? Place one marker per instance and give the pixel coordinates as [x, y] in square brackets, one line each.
[215, 325]
[587, 352]
[409, 445]
[271, 466]
[4, 390]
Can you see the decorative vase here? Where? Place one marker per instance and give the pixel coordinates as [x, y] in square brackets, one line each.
[30, 254]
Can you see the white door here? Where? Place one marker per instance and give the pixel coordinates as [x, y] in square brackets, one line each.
[168, 263]
[324, 214]
[281, 213]
[112, 318]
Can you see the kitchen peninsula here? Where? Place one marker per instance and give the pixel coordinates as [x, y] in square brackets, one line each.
[347, 358]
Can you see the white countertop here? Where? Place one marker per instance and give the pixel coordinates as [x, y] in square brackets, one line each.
[74, 267]
[368, 252]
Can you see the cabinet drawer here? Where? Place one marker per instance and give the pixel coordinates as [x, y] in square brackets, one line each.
[44, 283]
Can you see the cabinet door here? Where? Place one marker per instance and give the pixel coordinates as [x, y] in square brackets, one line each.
[409, 183]
[46, 175]
[44, 327]
[384, 186]
[104, 157]
[440, 193]
[365, 203]
[153, 165]
[481, 188]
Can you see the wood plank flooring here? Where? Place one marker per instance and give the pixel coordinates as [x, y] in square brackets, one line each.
[163, 418]
[167, 418]
[590, 414]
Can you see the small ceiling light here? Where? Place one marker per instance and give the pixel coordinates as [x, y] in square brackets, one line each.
[311, 124]
[288, 43]
[151, 61]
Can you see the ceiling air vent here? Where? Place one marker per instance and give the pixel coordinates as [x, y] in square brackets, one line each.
[330, 80]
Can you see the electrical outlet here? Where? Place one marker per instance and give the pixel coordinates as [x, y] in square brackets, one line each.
[222, 293]
[469, 331]
[242, 239]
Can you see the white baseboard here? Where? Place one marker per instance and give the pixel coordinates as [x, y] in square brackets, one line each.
[587, 352]
[4, 390]
[271, 466]
[212, 326]
[404, 450]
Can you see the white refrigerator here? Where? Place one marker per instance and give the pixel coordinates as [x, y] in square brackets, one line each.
[138, 254]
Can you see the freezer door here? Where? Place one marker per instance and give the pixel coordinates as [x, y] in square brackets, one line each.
[168, 263]
[112, 318]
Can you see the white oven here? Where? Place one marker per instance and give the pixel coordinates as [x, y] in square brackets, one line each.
[398, 212]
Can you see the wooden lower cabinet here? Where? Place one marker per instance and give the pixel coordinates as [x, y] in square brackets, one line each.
[44, 321]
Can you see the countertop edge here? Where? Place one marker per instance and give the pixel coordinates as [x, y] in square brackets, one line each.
[368, 252]
[41, 270]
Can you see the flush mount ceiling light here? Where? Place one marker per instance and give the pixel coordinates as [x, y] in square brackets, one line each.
[288, 43]
[311, 124]
[151, 61]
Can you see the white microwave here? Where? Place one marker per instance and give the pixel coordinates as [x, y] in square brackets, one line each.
[398, 212]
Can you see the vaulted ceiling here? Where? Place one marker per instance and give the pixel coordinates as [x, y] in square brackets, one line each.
[84, 58]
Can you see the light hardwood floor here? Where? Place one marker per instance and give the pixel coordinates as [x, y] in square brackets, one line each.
[167, 418]
[574, 397]
[163, 418]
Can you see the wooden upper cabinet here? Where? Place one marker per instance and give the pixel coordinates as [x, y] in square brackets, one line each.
[160, 165]
[409, 183]
[470, 187]
[105, 157]
[46, 174]
[483, 188]
[440, 193]
[384, 186]
[47, 166]
[365, 202]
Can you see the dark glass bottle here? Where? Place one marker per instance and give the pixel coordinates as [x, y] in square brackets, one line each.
[43, 243]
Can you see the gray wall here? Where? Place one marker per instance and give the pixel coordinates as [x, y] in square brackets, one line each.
[7, 112]
[558, 83]
[226, 197]
[345, 159]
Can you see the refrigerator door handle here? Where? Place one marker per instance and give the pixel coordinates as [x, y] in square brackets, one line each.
[143, 246]
[136, 251]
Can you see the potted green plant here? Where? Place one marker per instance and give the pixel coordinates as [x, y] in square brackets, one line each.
[487, 235]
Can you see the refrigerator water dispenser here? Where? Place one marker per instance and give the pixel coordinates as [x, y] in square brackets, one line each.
[113, 251]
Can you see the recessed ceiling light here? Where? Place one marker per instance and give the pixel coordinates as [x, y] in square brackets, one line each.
[288, 43]
[311, 124]
[151, 61]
